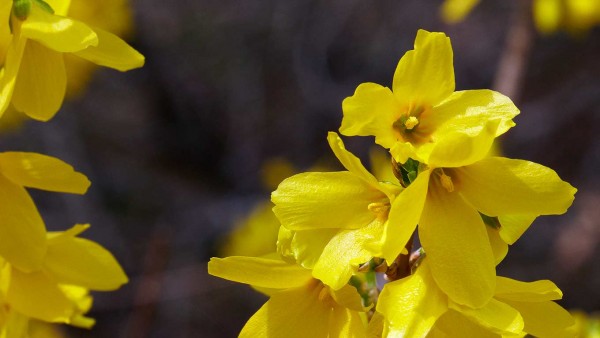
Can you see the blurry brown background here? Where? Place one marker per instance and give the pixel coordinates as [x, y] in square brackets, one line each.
[174, 150]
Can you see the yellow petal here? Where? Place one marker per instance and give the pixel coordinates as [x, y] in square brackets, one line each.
[26, 291]
[112, 52]
[255, 235]
[457, 247]
[346, 324]
[375, 327]
[454, 11]
[344, 253]
[495, 315]
[303, 247]
[58, 33]
[538, 291]
[294, 313]
[469, 111]
[8, 74]
[261, 272]
[325, 200]
[513, 226]
[371, 111]
[500, 186]
[404, 216]
[22, 234]
[41, 82]
[42, 172]
[457, 148]
[544, 319]
[412, 305]
[453, 324]
[499, 246]
[85, 263]
[353, 164]
[348, 297]
[425, 75]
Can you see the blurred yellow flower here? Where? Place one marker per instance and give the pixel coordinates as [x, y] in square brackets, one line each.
[549, 15]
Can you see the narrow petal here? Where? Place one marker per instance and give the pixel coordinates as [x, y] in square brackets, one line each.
[22, 234]
[404, 216]
[346, 324]
[42, 172]
[8, 74]
[513, 226]
[261, 272]
[353, 164]
[457, 245]
[371, 111]
[538, 291]
[499, 246]
[41, 83]
[500, 186]
[325, 200]
[343, 254]
[469, 111]
[348, 297]
[294, 313]
[495, 315]
[79, 261]
[412, 305]
[56, 32]
[27, 289]
[457, 149]
[304, 247]
[544, 319]
[112, 52]
[425, 75]
[453, 324]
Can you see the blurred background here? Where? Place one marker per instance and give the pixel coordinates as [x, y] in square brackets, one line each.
[176, 151]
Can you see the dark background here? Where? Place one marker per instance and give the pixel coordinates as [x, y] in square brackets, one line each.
[174, 150]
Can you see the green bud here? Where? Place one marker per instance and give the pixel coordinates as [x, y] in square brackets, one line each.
[21, 9]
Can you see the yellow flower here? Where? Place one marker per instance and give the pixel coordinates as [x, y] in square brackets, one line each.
[416, 307]
[34, 77]
[22, 232]
[446, 203]
[423, 112]
[57, 291]
[299, 305]
[330, 219]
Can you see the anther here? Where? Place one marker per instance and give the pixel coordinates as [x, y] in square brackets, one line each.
[411, 122]
[447, 182]
[378, 207]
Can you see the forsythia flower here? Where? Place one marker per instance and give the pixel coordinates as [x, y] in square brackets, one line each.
[415, 307]
[71, 266]
[299, 305]
[22, 232]
[33, 77]
[329, 219]
[423, 112]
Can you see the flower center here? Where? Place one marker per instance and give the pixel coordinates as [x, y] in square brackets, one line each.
[408, 125]
[445, 180]
[411, 122]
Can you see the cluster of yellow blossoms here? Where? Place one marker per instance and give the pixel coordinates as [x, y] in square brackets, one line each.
[341, 232]
[46, 275]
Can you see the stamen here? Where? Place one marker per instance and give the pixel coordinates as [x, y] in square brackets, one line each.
[447, 182]
[411, 122]
[378, 207]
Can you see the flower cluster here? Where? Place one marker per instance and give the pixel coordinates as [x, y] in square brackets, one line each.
[46, 275]
[342, 231]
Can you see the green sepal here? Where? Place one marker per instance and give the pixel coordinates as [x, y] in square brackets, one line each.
[45, 6]
[21, 9]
